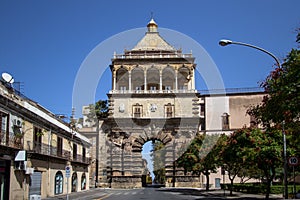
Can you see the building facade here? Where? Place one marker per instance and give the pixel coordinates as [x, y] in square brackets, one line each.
[153, 98]
[35, 149]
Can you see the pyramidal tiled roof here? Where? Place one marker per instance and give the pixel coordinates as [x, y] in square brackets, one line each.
[152, 40]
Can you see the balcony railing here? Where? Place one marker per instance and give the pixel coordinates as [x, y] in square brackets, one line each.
[151, 91]
[11, 141]
[45, 149]
[152, 55]
[81, 158]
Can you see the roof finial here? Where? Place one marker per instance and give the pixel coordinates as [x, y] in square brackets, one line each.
[152, 26]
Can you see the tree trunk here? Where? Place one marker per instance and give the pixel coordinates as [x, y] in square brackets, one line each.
[269, 181]
[268, 188]
[207, 181]
[231, 186]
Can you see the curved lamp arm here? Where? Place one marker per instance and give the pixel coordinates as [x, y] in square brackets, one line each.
[228, 42]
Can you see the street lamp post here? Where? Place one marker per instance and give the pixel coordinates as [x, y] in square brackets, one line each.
[228, 42]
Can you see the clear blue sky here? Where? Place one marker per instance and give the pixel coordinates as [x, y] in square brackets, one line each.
[44, 42]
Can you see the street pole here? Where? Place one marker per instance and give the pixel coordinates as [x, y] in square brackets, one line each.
[286, 196]
[68, 188]
[228, 42]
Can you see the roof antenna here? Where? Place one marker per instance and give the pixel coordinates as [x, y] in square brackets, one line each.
[151, 15]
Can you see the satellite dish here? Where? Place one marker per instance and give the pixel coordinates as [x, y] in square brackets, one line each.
[7, 78]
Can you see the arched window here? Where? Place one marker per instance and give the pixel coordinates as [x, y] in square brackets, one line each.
[168, 79]
[183, 78]
[58, 181]
[83, 182]
[153, 79]
[122, 79]
[74, 182]
[137, 79]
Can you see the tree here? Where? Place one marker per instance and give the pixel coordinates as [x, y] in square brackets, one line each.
[189, 159]
[201, 156]
[209, 156]
[232, 156]
[283, 88]
[158, 156]
[101, 109]
[280, 109]
[262, 150]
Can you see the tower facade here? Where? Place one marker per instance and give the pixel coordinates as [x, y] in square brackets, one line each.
[153, 97]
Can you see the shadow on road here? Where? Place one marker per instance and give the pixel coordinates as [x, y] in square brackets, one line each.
[213, 194]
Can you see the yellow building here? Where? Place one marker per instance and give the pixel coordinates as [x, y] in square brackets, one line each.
[36, 147]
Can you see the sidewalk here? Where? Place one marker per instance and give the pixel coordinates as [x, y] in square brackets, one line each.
[238, 195]
[92, 193]
[219, 194]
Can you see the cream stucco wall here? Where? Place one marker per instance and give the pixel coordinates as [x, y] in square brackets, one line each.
[239, 104]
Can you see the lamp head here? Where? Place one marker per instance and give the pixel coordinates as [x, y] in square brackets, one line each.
[225, 42]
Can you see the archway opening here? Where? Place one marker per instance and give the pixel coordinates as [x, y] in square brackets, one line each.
[153, 154]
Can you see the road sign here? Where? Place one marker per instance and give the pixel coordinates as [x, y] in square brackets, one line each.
[293, 161]
[68, 171]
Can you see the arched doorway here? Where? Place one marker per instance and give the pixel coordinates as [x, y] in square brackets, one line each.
[58, 183]
[83, 181]
[74, 182]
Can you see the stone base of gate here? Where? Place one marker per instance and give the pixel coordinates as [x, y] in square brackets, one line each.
[184, 181]
[126, 182]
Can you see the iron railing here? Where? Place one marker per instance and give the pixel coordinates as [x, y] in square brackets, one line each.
[46, 149]
[152, 55]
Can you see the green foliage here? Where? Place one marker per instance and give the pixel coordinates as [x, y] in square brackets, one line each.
[253, 153]
[279, 110]
[258, 188]
[101, 109]
[201, 156]
[283, 88]
[158, 156]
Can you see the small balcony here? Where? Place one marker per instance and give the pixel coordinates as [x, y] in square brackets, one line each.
[13, 141]
[81, 159]
[53, 151]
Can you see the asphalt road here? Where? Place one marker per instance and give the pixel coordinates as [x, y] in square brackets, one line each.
[158, 194]
[146, 193]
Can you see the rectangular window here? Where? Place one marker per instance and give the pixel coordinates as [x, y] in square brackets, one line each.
[225, 121]
[137, 111]
[37, 140]
[83, 154]
[3, 128]
[74, 151]
[59, 146]
[202, 109]
[169, 110]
